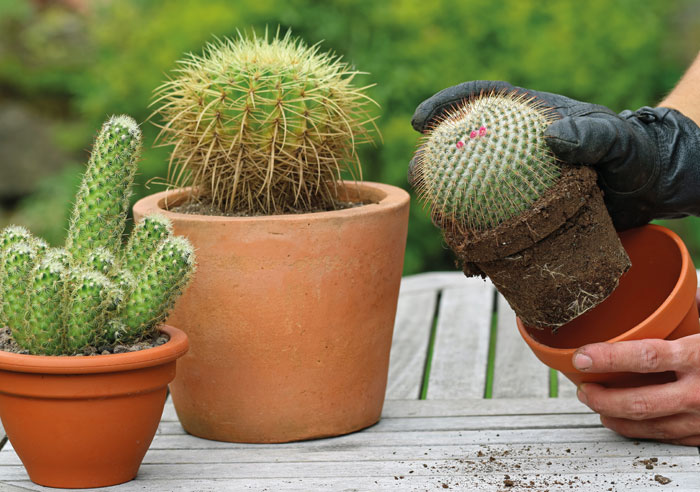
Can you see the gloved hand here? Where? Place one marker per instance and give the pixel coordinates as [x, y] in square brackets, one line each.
[648, 161]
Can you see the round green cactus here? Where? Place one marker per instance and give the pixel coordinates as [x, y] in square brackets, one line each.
[263, 126]
[486, 161]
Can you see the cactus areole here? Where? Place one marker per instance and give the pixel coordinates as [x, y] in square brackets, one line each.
[510, 210]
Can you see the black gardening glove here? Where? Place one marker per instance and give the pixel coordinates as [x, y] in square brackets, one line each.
[648, 161]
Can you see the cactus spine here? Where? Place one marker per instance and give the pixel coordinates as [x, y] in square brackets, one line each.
[93, 293]
[263, 126]
[486, 161]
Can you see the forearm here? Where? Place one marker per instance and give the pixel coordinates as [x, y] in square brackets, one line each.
[685, 97]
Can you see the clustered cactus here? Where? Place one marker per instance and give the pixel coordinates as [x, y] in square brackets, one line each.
[262, 126]
[94, 292]
[486, 161]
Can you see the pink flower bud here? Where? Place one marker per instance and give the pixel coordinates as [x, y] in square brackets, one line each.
[472, 134]
[482, 131]
[460, 144]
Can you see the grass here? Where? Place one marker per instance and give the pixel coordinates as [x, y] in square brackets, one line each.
[491, 362]
[431, 347]
[553, 383]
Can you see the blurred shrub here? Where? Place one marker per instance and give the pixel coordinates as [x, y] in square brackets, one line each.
[613, 53]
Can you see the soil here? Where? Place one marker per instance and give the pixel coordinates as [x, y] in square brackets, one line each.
[7, 344]
[200, 206]
[497, 468]
[563, 200]
[563, 256]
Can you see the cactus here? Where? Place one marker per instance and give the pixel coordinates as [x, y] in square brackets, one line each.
[91, 297]
[145, 239]
[93, 293]
[486, 161]
[263, 126]
[163, 278]
[18, 261]
[102, 202]
[44, 325]
[100, 260]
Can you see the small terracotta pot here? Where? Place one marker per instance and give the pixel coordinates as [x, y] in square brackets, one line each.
[655, 299]
[290, 317]
[86, 421]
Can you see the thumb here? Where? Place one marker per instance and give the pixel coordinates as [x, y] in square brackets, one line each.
[586, 140]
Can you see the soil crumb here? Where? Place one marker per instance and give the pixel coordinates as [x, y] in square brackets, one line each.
[662, 480]
[7, 344]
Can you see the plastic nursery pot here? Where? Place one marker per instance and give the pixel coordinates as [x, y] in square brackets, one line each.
[290, 317]
[655, 299]
[86, 421]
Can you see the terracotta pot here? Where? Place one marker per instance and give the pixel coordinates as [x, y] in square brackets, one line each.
[79, 422]
[655, 299]
[537, 245]
[290, 317]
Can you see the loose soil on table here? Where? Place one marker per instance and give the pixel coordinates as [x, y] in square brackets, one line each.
[7, 344]
[562, 257]
[493, 461]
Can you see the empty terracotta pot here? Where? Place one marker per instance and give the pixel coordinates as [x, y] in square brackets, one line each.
[290, 317]
[79, 422]
[655, 299]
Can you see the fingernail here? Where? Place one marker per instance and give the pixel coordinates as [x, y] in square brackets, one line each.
[581, 395]
[582, 362]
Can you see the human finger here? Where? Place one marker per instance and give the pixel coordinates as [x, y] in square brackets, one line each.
[643, 356]
[672, 428]
[641, 403]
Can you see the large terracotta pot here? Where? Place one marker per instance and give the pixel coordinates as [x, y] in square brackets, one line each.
[290, 318]
[79, 422]
[655, 299]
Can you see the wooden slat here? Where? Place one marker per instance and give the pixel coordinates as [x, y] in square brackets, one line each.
[422, 438]
[433, 281]
[509, 422]
[456, 480]
[389, 467]
[460, 354]
[500, 406]
[409, 348]
[459, 408]
[339, 452]
[567, 389]
[517, 373]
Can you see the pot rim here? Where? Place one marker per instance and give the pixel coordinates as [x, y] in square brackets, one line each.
[390, 197]
[92, 364]
[685, 281]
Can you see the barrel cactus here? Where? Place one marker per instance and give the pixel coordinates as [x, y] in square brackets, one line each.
[263, 126]
[486, 161]
[94, 293]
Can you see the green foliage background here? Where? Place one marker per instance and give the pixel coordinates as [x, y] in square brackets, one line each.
[76, 67]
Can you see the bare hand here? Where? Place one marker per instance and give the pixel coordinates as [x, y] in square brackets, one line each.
[666, 412]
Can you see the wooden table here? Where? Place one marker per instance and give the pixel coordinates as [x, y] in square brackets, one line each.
[468, 408]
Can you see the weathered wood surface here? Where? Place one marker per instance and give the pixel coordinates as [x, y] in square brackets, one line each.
[521, 439]
[517, 372]
[409, 348]
[458, 368]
